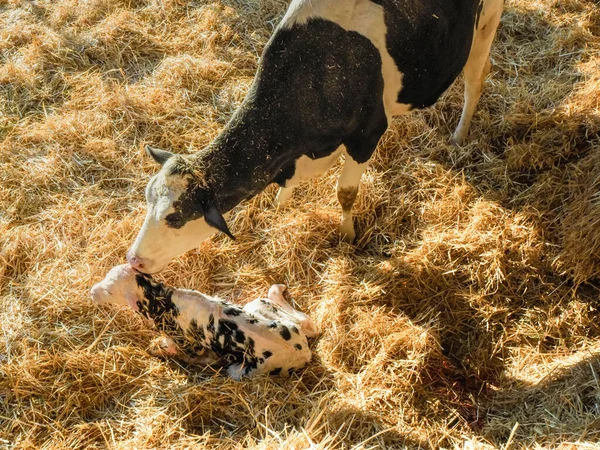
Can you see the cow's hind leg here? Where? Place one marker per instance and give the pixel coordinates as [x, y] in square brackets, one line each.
[478, 65]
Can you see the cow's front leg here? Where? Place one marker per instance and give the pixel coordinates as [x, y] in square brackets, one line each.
[347, 191]
[283, 195]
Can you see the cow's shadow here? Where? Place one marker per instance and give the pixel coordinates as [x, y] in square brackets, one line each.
[564, 402]
[473, 365]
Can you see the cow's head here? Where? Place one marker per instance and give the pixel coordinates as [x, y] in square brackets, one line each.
[182, 212]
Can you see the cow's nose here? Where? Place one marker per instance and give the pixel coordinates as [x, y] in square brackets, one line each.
[135, 261]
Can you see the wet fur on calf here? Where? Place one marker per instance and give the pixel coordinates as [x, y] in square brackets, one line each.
[265, 336]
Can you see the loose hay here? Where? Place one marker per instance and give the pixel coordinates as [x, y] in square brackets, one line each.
[465, 315]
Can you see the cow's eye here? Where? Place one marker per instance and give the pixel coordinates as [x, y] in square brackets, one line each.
[174, 220]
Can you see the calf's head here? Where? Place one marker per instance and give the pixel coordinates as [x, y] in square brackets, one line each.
[119, 287]
[182, 212]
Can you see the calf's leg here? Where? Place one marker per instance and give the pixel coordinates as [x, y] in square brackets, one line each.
[305, 323]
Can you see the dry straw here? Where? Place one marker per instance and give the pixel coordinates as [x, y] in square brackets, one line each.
[467, 306]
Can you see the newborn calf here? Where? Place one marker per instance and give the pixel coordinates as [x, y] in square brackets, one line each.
[265, 336]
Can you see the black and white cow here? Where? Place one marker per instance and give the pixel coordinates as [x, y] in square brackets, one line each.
[329, 81]
[266, 336]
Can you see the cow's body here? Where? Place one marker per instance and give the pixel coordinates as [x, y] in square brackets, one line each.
[330, 80]
[265, 336]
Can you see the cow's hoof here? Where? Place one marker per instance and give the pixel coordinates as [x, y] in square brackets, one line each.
[457, 141]
[283, 196]
[347, 233]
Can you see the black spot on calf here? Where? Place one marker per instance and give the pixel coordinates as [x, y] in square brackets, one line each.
[227, 326]
[239, 336]
[285, 333]
[232, 311]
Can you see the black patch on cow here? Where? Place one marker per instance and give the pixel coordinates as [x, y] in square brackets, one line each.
[250, 346]
[429, 41]
[276, 371]
[232, 311]
[295, 329]
[252, 321]
[191, 204]
[285, 333]
[196, 332]
[297, 346]
[267, 354]
[225, 333]
[272, 324]
[227, 326]
[250, 358]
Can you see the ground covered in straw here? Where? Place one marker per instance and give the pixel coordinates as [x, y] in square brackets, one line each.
[465, 314]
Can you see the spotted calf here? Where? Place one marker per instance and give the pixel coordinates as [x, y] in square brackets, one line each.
[265, 336]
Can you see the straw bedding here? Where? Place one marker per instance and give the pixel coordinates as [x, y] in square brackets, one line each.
[465, 315]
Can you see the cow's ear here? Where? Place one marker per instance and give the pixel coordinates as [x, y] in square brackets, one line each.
[215, 219]
[158, 155]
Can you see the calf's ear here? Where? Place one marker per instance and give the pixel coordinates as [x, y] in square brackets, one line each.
[215, 219]
[158, 155]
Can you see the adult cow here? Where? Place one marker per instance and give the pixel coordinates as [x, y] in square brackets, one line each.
[329, 81]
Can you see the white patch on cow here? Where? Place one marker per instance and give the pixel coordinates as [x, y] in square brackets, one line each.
[305, 170]
[157, 244]
[366, 18]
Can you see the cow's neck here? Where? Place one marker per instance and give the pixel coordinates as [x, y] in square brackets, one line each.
[249, 154]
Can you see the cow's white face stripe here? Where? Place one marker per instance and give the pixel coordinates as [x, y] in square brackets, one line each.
[157, 242]
[365, 18]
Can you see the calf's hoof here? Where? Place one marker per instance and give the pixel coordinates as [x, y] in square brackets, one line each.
[163, 348]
